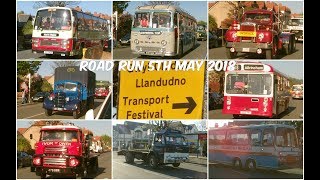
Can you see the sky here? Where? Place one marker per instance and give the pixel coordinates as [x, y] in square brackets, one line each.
[45, 70]
[97, 127]
[197, 9]
[92, 6]
[211, 123]
[295, 6]
[290, 68]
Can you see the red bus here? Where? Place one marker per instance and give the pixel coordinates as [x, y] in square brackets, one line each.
[65, 31]
[255, 89]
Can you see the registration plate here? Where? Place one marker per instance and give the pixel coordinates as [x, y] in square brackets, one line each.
[48, 52]
[245, 112]
[60, 109]
[246, 34]
[54, 170]
[245, 49]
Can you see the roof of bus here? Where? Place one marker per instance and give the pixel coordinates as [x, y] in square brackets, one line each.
[254, 126]
[165, 7]
[60, 127]
[262, 11]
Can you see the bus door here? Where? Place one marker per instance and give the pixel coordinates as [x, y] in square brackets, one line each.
[176, 30]
[275, 95]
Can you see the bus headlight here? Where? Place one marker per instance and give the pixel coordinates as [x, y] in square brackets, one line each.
[67, 99]
[136, 41]
[163, 42]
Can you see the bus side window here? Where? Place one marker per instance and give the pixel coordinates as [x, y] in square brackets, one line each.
[255, 137]
[268, 137]
[81, 23]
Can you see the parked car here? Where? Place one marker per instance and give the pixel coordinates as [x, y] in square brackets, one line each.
[125, 40]
[23, 159]
[213, 40]
[201, 35]
[215, 100]
[40, 96]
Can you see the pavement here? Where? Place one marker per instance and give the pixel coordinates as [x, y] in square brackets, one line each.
[198, 160]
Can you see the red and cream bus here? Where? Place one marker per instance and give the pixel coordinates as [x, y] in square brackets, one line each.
[65, 31]
[255, 89]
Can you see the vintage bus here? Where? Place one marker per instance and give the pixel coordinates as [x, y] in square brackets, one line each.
[65, 31]
[297, 91]
[162, 30]
[265, 146]
[255, 89]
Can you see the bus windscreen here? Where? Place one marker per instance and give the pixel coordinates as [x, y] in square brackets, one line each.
[255, 84]
[53, 19]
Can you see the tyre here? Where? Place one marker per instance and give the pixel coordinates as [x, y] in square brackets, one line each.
[176, 164]
[80, 55]
[237, 163]
[43, 175]
[216, 44]
[83, 174]
[180, 51]
[251, 165]
[153, 162]
[76, 113]
[48, 112]
[230, 55]
[95, 167]
[20, 164]
[32, 169]
[129, 157]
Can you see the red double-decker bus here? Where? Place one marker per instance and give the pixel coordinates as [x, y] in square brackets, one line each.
[255, 89]
[65, 31]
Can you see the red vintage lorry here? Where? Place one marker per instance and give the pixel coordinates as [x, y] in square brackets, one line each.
[259, 31]
[64, 150]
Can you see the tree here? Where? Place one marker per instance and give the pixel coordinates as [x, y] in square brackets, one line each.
[203, 24]
[124, 25]
[120, 6]
[46, 86]
[56, 64]
[23, 144]
[40, 4]
[25, 67]
[20, 12]
[105, 139]
[212, 23]
[152, 3]
[27, 28]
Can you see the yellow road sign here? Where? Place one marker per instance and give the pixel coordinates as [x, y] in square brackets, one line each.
[162, 94]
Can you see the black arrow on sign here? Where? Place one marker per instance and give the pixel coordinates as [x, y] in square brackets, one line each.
[191, 104]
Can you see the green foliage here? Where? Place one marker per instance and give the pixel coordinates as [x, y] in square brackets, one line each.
[124, 25]
[27, 28]
[202, 23]
[120, 6]
[106, 140]
[25, 67]
[20, 12]
[23, 144]
[40, 4]
[212, 23]
[46, 86]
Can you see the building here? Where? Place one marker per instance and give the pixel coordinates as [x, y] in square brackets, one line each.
[220, 10]
[50, 79]
[32, 133]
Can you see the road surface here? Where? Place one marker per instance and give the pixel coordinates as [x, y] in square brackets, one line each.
[294, 111]
[140, 170]
[35, 111]
[217, 171]
[104, 171]
[198, 53]
[220, 53]
[90, 53]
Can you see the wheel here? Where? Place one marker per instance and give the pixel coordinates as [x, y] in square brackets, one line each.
[80, 55]
[236, 116]
[43, 175]
[237, 163]
[180, 50]
[91, 106]
[76, 113]
[83, 174]
[32, 169]
[129, 157]
[153, 162]
[20, 164]
[251, 165]
[176, 164]
[272, 53]
[216, 44]
[48, 112]
[95, 166]
[230, 55]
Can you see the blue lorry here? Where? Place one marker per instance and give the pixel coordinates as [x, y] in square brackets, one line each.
[73, 91]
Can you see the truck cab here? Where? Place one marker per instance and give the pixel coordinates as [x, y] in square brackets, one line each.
[63, 150]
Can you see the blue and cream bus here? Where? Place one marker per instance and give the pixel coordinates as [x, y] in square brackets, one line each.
[162, 30]
[268, 146]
